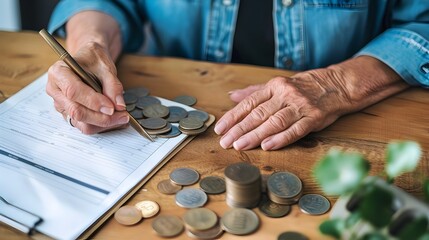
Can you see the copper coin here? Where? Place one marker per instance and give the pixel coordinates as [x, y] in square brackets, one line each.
[167, 187]
[128, 215]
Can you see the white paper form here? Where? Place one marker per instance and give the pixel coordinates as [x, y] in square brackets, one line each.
[67, 178]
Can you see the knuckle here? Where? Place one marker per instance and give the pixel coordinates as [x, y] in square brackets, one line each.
[260, 113]
[76, 112]
[250, 103]
[70, 91]
[279, 121]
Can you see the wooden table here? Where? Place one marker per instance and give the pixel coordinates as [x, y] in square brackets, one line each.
[24, 57]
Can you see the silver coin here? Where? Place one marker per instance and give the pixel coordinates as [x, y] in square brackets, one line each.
[139, 92]
[130, 98]
[191, 123]
[240, 221]
[155, 111]
[314, 204]
[193, 131]
[163, 130]
[191, 198]
[153, 123]
[290, 235]
[167, 187]
[176, 114]
[174, 132]
[284, 185]
[213, 185]
[184, 176]
[145, 101]
[272, 209]
[187, 100]
[137, 113]
[200, 219]
[167, 226]
[242, 172]
[200, 115]
[131, 107]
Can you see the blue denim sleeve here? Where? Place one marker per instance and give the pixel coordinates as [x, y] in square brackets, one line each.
[125, 12]
[405, 46]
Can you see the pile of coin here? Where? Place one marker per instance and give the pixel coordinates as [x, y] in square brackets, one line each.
[161, 120]
[130, 215]
[243, 185]
[284, 188]
[202, 223]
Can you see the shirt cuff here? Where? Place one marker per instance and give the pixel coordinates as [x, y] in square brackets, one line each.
[66, 9]
[404, 51]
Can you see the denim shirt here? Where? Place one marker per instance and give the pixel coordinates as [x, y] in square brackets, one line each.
[308, 33]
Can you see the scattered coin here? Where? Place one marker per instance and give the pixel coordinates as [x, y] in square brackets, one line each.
[155, 111]
[240, 221]
[191, 123]
[314, 204]
[176, 114]
[200, 219]
[174, 132]
[130, 98]
[272, 209]
[200, 115]
[128, 215]
[167, 187]
[131, 107]
[139, 92]
[137, 113]
[187, 100]
[153, 123]
[167, 226]
[148, 208]
[284, 188]
[290, 235]
[213, 233]
[184, 176]
[191, 198]
[213, 185]
[165, 129]
[145, 101]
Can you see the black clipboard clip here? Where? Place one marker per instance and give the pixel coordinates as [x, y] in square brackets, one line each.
[18, 218]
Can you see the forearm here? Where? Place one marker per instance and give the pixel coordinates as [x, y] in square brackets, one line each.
[94, 27]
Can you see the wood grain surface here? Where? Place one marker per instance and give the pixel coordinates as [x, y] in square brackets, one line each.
[24, 57]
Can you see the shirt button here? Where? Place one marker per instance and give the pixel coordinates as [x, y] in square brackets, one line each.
[287, 62]
[227, 2]
[425, 68]
[287, 3]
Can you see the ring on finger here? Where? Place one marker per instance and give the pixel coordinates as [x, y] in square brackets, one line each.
[69, 120]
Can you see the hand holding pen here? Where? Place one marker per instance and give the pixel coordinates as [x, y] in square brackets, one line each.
[81, 97]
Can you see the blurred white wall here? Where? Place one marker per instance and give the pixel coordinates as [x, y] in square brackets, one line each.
[10, 18]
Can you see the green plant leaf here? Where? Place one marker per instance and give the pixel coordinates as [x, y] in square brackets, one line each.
[426, 189]
[339, 172]
[425, 236]
[415, 229]
[377, 206]
[402, 157]
[352, 219]
[332, 227]
[374, 236]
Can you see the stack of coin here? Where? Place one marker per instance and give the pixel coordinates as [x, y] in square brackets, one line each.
[155, 126]
[284, 188]
[243, 185]
[192, 126]
[202, 223]
[240, 221]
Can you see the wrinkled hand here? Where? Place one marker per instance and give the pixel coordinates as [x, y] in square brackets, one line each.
[91, 112]
[282, 111]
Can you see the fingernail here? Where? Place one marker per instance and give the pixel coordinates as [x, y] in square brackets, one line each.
[241, 143]
[120, 101]
[107, 110]
[267, 145]
[226, 142]
[230, 92]
[220, 127]
[123, 120]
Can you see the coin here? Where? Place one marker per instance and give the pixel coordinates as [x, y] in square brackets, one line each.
[148, 208]
[139, 92]
[200, 115]
[191, 123]
[130, 98]
[176, 114]
[284, 188]
[137, 113]
[174, 132]
[128, 215]
[155, 111]
[167, 226]
[191, 198]
[187, 100]
[213, 233]
[145, 101]
[184, 176]
[213, 185]
[200, 219]
[242, 172]
[291, 236]
[314, 204]
[264, 178]
[131, 107]
[165, 129]
[193, 131]
[167, 187]
[240, 221]
[272, 209]
[153, 123]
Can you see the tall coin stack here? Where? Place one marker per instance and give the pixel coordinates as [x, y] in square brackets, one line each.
[284, 188]
[243, 185]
